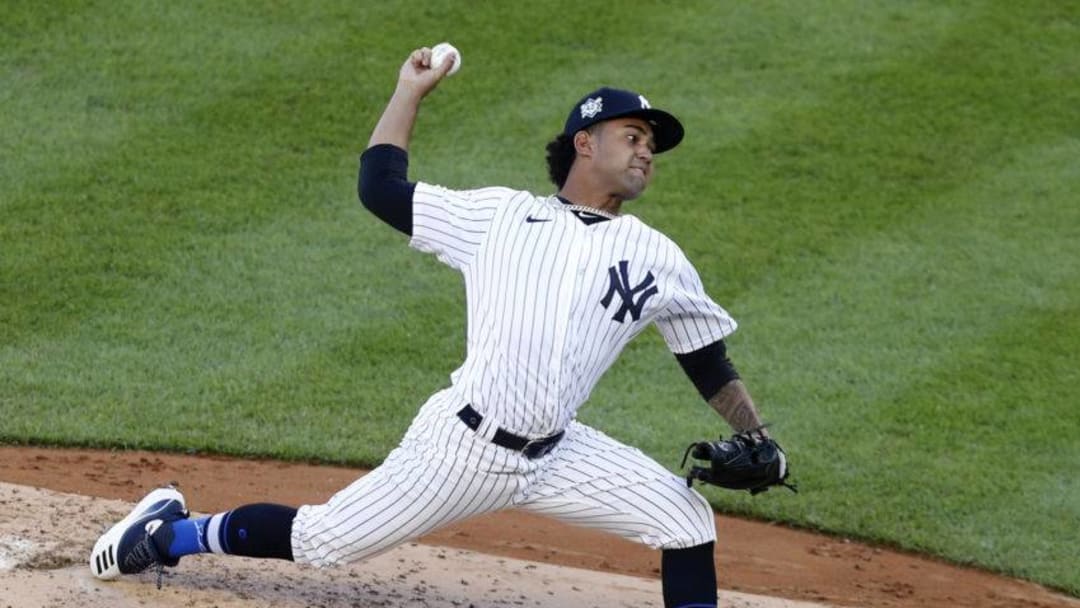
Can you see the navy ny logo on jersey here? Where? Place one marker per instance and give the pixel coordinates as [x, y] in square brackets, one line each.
[633, 298]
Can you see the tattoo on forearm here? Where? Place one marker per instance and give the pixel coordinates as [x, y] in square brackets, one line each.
[733, 402]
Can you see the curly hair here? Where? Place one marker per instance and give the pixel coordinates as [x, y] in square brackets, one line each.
[560, 156]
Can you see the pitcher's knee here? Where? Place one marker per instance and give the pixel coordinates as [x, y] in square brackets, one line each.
[696, 525]
[322, 541]
[322, 537]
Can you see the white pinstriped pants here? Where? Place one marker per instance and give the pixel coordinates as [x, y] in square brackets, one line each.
[443, 472]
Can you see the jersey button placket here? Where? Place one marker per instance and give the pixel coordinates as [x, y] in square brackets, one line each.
[568, 294]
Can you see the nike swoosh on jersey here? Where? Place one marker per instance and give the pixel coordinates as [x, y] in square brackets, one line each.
[532, 220]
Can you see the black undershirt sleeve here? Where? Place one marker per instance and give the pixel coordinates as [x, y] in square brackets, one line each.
[709, 368]
[384, 187]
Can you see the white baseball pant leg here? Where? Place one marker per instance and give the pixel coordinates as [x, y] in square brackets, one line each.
[595, 481]
[442, 472]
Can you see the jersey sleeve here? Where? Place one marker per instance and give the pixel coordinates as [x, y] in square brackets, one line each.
[451, 224]
[692, 320]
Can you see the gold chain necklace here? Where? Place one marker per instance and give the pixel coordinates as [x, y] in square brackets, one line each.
[592, 210]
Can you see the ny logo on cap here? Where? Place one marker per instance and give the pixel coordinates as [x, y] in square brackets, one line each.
[644, 102]
[592, 107]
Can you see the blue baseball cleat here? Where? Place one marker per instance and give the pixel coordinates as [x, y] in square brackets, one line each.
[140, 541]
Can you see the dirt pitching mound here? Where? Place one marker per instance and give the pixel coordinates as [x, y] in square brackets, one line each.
[754, 558]
[45, 537]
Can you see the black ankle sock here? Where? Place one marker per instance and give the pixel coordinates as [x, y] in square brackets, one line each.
[689, 577]
[259, 530]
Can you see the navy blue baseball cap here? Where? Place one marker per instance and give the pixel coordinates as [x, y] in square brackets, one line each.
[607, 103]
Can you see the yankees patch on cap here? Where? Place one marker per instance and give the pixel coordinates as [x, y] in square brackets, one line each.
[607, 103]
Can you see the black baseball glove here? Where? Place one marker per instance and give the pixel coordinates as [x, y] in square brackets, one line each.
[747, 461]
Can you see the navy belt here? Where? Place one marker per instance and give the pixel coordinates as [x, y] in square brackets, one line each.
[531, 448]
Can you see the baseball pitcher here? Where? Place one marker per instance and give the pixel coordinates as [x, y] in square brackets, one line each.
[556, 286]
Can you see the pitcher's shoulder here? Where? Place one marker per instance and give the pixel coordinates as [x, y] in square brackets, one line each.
[650, 234]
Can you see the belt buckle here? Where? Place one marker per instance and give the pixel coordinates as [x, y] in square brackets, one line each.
[538, 448]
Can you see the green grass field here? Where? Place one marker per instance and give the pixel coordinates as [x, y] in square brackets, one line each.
[882, 193]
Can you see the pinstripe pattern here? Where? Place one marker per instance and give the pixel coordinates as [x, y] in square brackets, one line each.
[593, 480]
[539, 339]
[440, 473]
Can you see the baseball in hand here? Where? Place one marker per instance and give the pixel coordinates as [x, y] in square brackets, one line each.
[440, 52]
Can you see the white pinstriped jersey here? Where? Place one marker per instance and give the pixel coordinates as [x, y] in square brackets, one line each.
[553, 301]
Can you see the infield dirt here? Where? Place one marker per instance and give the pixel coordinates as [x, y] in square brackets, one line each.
[54, 503]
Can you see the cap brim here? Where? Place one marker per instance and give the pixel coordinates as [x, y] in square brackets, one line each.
[667, 130]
